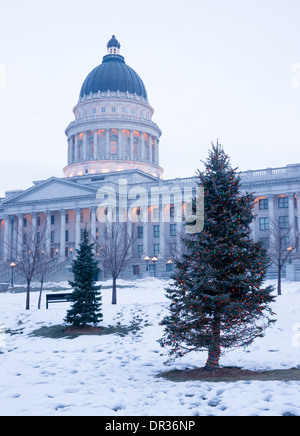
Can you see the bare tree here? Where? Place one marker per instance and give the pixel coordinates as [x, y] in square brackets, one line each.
[282, 243]
[114, 248]
[46, 268]
[30, 243]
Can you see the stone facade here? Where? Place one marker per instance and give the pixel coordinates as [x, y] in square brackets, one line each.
[113, 142]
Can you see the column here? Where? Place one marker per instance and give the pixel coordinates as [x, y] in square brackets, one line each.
[69, 150]
[95, 145]
[6, 238]
[34, 222]
[62, 233]
[119, 144]
[142, 146]
[151, 154]
[107, 144]
[20, 234]
[291, 197]
[84, 157]
[271, 199]
[131, 145]
[48, 232]
[93, 210]
[161, 231]
[77, 228]
[76, 148]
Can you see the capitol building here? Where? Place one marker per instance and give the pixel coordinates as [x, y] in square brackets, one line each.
[113, 143]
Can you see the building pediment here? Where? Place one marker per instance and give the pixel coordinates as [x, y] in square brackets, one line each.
[52, 189]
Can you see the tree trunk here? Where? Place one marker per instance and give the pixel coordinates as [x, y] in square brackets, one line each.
[114, 291]
[279, 282]
[214, 349]
[28, 296]
[40, 296]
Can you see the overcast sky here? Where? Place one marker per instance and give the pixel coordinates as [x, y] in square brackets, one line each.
[226, 69]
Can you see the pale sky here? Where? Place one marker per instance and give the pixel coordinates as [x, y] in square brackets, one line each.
[212, 69]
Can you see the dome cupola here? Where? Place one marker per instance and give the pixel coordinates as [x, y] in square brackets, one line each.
[113, 75]
[113, 128]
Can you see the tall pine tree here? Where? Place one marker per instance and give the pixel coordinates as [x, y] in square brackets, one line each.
[86, 307]
[218, 300]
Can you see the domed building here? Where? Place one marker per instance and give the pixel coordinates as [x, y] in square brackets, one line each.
[113, 128]
[113, 167]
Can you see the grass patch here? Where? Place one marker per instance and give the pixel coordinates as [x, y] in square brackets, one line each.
[231, 374]
[67, 332]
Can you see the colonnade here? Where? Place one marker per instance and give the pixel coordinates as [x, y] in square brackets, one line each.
[108, 144]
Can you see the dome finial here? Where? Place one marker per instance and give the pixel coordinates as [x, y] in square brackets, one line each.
[113, 46]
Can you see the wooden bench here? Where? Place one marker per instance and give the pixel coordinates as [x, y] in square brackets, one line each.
[57, 298]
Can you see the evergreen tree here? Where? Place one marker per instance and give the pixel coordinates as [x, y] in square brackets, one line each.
[217, 298]
[86, 307]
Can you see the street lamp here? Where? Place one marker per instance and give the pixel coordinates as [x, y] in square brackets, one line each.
[290, 249]
[154, 260]
[147, 258]
[12, 265]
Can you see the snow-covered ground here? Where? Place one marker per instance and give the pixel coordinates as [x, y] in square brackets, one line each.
[111, 375]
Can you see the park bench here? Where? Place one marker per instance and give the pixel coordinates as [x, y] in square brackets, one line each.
[57, 298]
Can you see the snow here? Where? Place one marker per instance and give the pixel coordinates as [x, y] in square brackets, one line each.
[112, 375]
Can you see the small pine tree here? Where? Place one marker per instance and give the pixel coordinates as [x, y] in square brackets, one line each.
[86, 307]
[217, 299]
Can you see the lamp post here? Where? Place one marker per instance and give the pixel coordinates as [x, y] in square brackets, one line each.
[290, 249]
[12, 265]
[154, 260]
[147, 258]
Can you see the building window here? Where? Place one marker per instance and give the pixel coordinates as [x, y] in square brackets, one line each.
[263, 204]
[156, 231]
[263, 223]
[24, 222]
[124, 110]
[283, 222]
[173, 248]
[67, 236]
[155, 213]
[24, 238]
[172, 229]
[67, 252]
[156, 249]
[67, 218]
[140, 250]
[286, 242]
[140, 232]
[136, 270]
[103, 110]
[172, 210]
[38, 221]
[283, 202]
[114, 109]
[52, 219]
[52, 237]
[38, 237]
[94, 110]
[81, 234]
[169, 267]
